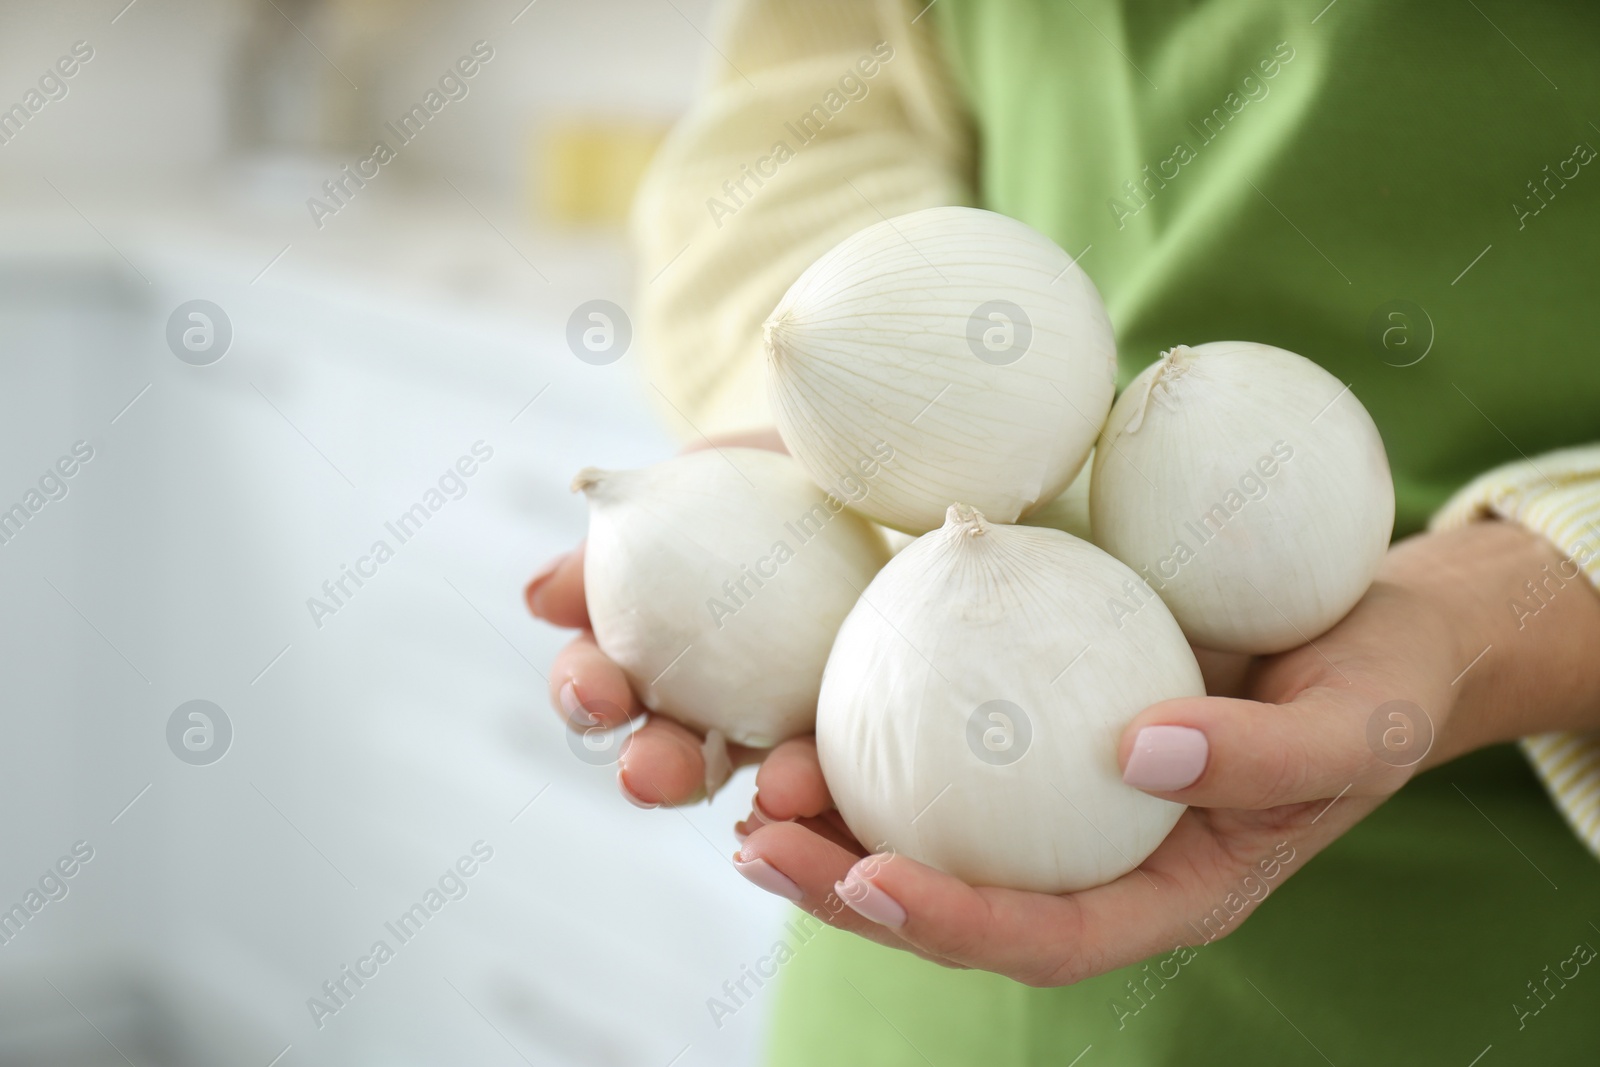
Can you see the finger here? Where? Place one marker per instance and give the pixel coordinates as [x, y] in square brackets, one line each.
[1223, 753]
[1029, 937]
[588, 689]
[555, 593]
[789, 784]
[788, 860]
[663, 763]
[1042, 940]
[828, 825]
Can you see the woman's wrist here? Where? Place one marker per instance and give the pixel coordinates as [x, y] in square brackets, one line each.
[1526, 628]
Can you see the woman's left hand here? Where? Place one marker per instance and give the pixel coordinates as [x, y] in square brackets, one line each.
[1435, 661]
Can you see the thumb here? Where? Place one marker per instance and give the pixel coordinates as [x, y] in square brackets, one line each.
[1216, 752]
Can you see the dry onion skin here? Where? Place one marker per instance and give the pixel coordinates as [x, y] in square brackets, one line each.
[965, 344]
[1249, 489]
[717, 581]
[972, 706]
[1068, 512]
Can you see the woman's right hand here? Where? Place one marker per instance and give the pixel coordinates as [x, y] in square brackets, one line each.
[663, 761]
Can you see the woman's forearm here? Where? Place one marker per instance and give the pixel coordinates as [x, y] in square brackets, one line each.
[1528, 625]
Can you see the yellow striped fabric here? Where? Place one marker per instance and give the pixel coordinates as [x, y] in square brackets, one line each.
[1558, 497]
[792, 148]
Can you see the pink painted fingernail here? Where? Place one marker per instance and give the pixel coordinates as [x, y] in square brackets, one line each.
[868, 900]
[1166, 758]
[578, 713]
[571, 705]
[631, 796]
[763, 875]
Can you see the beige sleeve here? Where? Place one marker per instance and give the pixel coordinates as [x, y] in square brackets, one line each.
[821, 118]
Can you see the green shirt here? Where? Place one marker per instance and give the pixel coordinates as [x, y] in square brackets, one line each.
[1237, 173]
[1409, 195]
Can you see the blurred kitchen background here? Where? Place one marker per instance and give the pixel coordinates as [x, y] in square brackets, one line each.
[365, 751]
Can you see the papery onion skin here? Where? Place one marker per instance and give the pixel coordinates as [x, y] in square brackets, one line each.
[688, 592]
[917, 762]
[1068, 512]
[885, 344]
[1296, 467]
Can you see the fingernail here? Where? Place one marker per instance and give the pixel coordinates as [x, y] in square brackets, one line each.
[572, 706]
[632, 797]
[1166, 758]
[763, 875]
[755, 802]
[541, 576]
[748, 825]
[868, 901]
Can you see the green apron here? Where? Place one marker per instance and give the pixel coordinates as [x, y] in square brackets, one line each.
[1410, 195]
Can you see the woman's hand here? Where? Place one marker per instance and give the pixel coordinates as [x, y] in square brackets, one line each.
[663, 762]
[1435, 661]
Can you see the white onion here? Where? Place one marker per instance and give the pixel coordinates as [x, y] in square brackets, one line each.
[1249, 488]
[922, 760]
[965, 344]
[717, 581]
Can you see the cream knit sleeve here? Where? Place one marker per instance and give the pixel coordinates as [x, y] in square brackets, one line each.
[822, 117]
[1558, 497]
